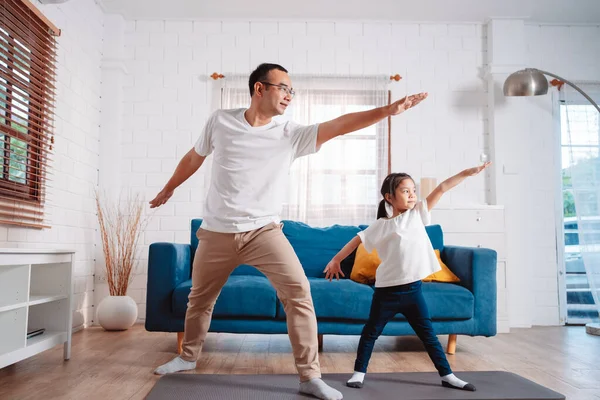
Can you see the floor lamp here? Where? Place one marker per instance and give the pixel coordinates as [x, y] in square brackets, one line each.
[532, 82]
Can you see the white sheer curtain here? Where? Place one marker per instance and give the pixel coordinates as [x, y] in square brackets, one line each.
[581, 187]
[339, 184]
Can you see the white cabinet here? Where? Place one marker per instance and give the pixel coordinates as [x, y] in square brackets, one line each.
[35, 294]
[479, 226]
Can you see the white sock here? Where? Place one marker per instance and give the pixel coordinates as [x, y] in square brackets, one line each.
[175, 365]
[357, 377]
[320, 390]
[457, 383]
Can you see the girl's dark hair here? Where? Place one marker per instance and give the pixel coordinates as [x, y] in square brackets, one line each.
[389, 185]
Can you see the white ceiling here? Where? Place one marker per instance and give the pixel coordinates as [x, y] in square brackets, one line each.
[545, 11]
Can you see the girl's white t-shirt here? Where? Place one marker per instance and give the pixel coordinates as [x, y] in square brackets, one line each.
[403, 246]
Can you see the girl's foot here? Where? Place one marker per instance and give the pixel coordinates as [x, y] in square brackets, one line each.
[451, 381]
[356, 381]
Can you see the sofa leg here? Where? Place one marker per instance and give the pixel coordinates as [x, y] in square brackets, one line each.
[179, 342]
[320, 340]
[451, 344]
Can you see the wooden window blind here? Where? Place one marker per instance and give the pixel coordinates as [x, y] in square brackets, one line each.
[27, 90]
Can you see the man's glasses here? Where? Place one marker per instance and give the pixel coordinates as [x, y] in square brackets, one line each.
[282, 88]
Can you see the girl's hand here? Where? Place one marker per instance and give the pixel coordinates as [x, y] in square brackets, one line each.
[333, 269]
[475, 170]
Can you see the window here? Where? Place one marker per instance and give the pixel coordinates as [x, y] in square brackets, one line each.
[580, 145]
[27, 68]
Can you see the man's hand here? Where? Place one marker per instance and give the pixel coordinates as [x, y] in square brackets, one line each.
[161, 198]
[407, 102]
[186, 168]
[475, 170]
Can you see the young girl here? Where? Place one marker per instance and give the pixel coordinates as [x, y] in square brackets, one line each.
[407, 256]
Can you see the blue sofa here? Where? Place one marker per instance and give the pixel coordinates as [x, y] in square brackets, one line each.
[248, 303]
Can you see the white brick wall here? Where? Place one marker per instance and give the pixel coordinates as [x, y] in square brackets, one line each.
[75, 173]
[569, 51]
[168, 96]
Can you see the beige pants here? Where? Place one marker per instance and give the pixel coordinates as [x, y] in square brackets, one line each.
[271, 253]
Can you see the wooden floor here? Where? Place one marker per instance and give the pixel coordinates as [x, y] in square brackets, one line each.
[119, 365]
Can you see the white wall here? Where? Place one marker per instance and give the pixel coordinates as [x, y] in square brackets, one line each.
[75, 172]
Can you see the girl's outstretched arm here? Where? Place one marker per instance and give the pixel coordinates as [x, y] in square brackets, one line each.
[333, 267]
[449, 183]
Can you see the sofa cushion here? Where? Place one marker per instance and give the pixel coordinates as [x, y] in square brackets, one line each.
[245, 269]
[447, 301]
[315, 247]
[242, 296]
[436, 236]
[343, 299]
[194, 226]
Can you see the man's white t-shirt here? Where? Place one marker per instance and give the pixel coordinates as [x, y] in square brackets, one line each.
[250, 168]
[403, 246]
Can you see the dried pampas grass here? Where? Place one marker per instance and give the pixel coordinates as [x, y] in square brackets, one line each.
[121, 223]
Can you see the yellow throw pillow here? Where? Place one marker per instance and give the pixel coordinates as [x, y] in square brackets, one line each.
[365, 265]
[445, 275]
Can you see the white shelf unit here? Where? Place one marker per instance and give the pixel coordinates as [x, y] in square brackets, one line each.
[479, 226]
[35, 292]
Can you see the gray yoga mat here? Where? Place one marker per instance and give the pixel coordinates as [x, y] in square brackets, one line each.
[491, 385]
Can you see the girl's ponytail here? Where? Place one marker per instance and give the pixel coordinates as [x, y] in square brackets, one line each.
[381, 211]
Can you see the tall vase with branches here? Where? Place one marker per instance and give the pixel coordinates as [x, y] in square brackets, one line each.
[121, 223]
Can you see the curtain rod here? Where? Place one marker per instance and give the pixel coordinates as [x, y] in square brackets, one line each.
[559, 84]
[397, 77]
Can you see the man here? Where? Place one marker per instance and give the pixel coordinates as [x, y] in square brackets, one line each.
[252, 156]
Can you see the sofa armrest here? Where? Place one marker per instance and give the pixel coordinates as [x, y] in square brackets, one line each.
[168, 266]
[476, 268]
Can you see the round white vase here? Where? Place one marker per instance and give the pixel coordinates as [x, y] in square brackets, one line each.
[117, 313]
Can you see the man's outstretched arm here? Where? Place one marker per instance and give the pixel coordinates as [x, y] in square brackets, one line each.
[356, 121]
[186, 168]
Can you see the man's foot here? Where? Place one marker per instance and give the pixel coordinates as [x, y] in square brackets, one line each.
[356, 381]
[451, 381]
[175, 365]
[320, 390]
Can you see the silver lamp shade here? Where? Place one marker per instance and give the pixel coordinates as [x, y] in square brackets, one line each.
[526, 82]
